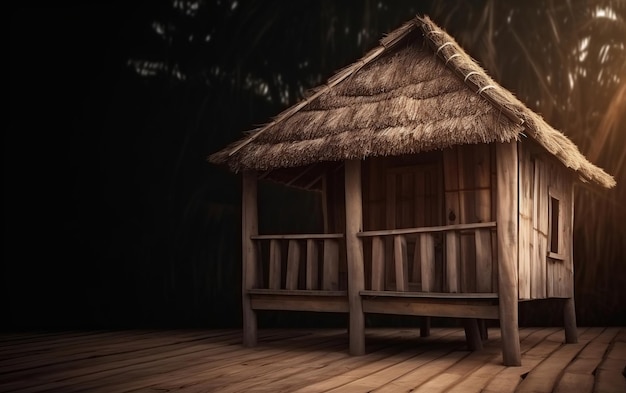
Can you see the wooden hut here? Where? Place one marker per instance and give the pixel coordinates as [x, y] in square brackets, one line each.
[443, 195]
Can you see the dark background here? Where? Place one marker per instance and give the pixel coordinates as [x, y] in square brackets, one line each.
[114, 219]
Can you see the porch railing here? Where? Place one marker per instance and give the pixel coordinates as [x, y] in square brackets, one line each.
[443, 259]
[299, 261]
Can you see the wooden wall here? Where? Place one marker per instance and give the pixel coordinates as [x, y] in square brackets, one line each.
[457, 186]
[402, 192]
[469, 182]
[453, 186]
[545, 264]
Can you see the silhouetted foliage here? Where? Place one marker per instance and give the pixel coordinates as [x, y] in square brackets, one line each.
[113, 217]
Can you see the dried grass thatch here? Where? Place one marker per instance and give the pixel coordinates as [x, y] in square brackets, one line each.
[417, 91]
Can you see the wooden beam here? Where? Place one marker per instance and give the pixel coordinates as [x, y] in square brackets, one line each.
[433, 295]
[507, 243]
[354, 253]
[300, 303]
[297, 292]
[443, 228]
[402, 306]
[299, 236]
[250, 227]
[299, 175]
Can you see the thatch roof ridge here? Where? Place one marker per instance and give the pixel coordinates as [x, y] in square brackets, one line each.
[554, 141]
[332, 123]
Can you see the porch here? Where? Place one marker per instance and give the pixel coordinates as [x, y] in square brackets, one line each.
[429, 269]
[308, 360]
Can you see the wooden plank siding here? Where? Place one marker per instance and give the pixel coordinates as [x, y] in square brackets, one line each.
[441, 188]
[560, 277]
[308, 360]
[401, 192]
[540, 231]
[468, 188]
[550, 273]
[525, 220]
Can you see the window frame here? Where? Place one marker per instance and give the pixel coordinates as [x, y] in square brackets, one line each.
[558, 254]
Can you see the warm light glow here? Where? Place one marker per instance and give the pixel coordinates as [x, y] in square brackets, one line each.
[606, 12]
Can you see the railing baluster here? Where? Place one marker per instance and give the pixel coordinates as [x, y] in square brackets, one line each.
[400, 258]
[378, 264]
[275, 262]
[484, 264]
[311, 264]
[330, 281]
[293, 265]
[430, 272]
[427, 259]
[453, 247]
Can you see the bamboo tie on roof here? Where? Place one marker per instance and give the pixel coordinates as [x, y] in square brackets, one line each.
[456, 53]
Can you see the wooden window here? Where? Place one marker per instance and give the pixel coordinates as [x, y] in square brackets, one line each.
[555, 215]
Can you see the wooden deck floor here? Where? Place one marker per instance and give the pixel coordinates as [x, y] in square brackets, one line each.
[397, 360]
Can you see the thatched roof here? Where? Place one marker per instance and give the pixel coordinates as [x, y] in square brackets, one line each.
[417, 91]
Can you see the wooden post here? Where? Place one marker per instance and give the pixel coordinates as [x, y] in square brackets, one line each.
[506, 219]
[569, 321]
[425, 327]
[569, 309]
[354, 253]
[249, 227]
[472, 334]
[482, 326]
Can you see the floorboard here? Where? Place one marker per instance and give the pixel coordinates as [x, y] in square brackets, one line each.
[309, 360]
